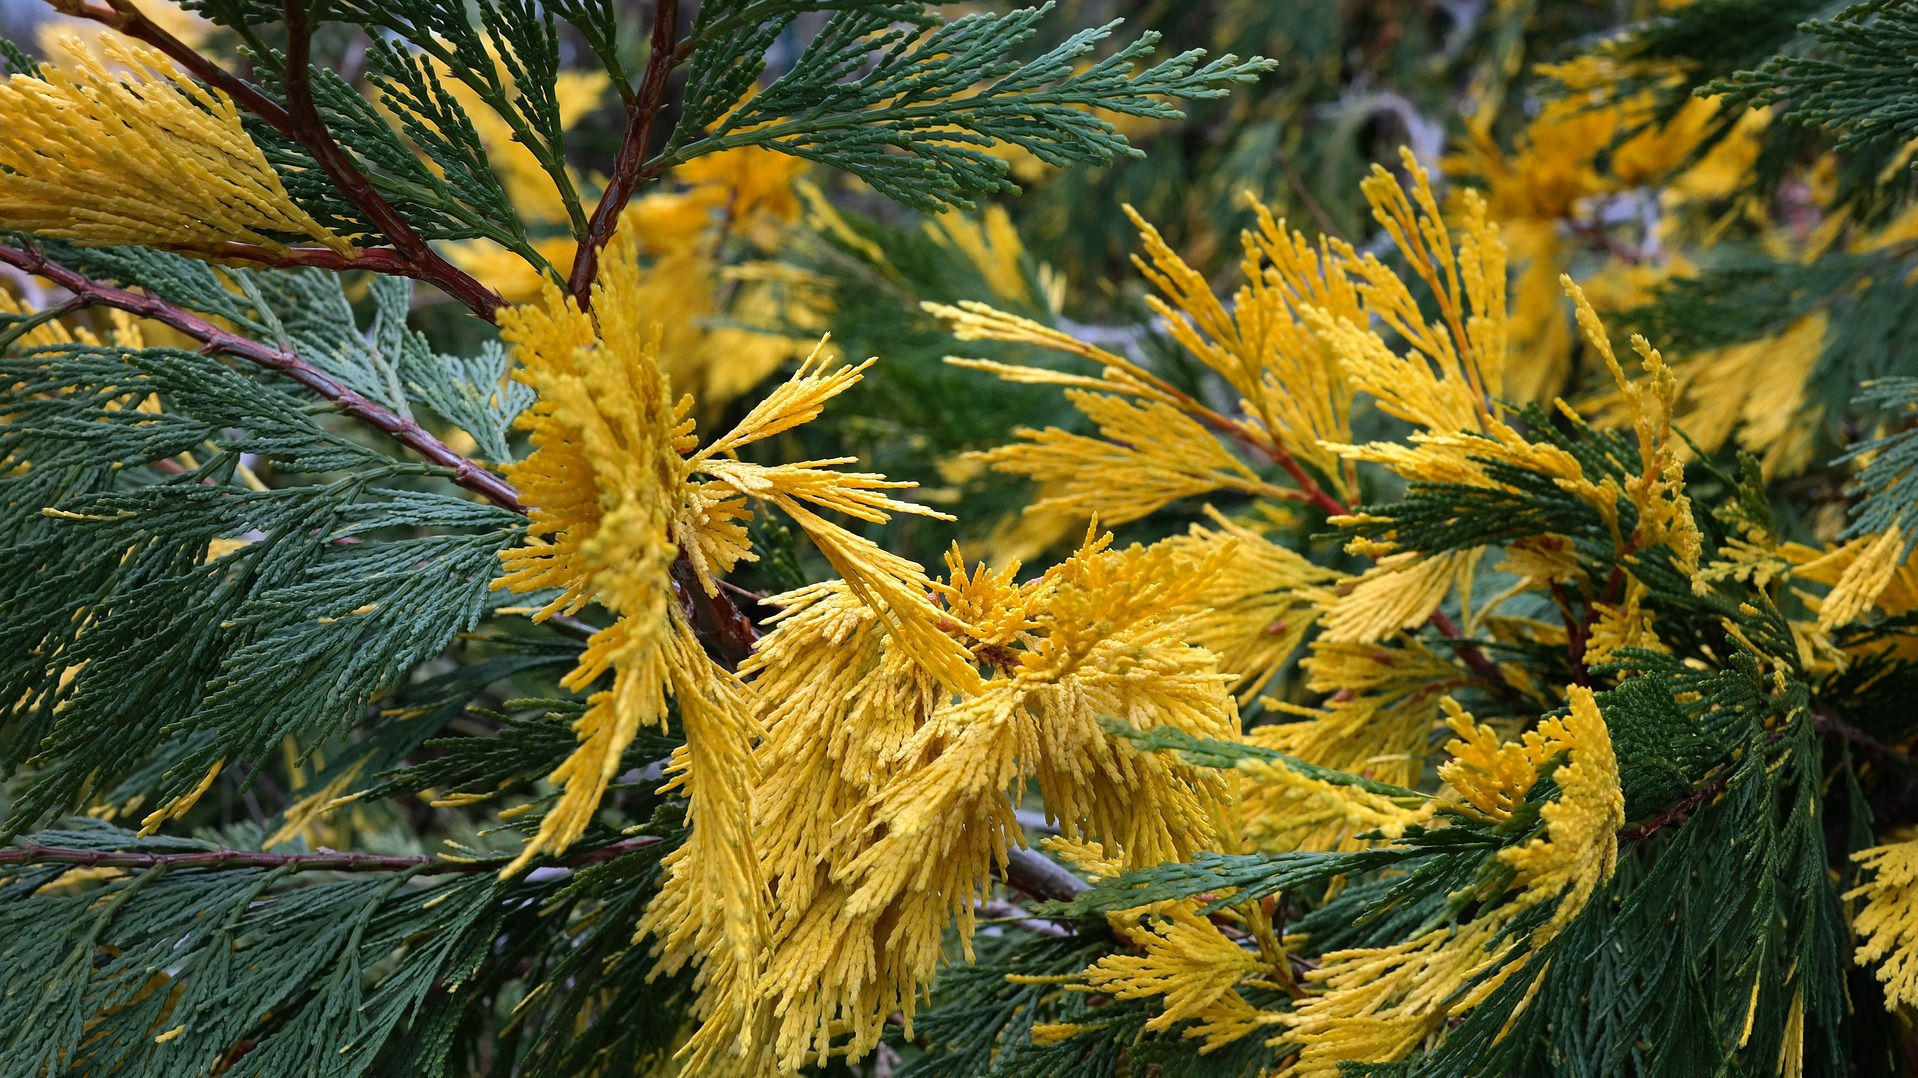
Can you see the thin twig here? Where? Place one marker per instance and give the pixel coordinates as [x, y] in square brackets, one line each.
[1677, 812]
[387, 260]
[466, 473]
[29, 853]
[310, 131]
[299, 120]
[629, 168]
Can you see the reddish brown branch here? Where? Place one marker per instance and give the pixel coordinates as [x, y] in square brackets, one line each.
[385, 260]
[404, 430]
[128, 19]
[1468, 652]
[1677, 812]
[629, 169]
[300, 121]
[32, 853]
[1579, 633]
[310, 131]
[729, 635]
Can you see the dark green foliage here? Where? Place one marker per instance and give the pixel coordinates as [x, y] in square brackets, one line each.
[1888, 482]
[913, 113]
[254, 969]
[338, 587]
[1852, 75]
[309, 965]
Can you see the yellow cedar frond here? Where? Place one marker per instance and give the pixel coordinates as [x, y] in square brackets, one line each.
[1096, 861]
[1304, 398]
[178, 807]
[1463, 458]
[892, 796]
[1887, 921]
[711, 531]
[609, 490]
[755, 183]
[1489, 775]
[1040, 376]
[1110, 643]
[896, 588]
[1439, 400]
[1399, 592]
[1163, 453]
[796, 402]
[991, 243]
[1579, 848]
[1236, 344]
[145, 157]
[1376, 722]
[1313, 803]
[856, 494]
[991, 603]
[971, 320]
[1665, 513]
[1258, 607]
[1456, 369]
[1627, 624]
[1188, 962]
[604, 479]
[1376, 1004]
[123, 329]
[636, 649]
[1860, 573]
[1754, 394]
[1261, 346]
[712, 907]
[839, 705]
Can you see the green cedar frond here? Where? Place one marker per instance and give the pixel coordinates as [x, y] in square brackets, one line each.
[1888, 482]
[1853, 78]
[247, 970]
[1225, 754]
[307, 312]
[912, 109]
[127, 636]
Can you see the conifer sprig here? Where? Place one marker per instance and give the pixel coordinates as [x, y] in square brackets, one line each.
[298, 120]
[87, 292]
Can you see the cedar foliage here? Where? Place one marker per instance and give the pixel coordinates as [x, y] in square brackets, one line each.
[450, 626]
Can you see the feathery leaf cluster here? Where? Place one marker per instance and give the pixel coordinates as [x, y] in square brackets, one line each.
[460, 611]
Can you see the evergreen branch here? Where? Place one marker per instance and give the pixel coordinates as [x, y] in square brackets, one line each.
[32, 853]
[406, 431]
[310, 131]
[629, 165]
[727, 632]
[1469, 653]
[299, 120]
